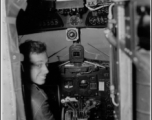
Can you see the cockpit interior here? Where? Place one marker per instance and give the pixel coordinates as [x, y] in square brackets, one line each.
[78, 52]
[83, 81]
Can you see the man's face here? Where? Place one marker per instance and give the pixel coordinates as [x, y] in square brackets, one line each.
[39, 68]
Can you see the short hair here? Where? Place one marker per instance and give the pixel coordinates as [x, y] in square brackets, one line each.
[30, 46]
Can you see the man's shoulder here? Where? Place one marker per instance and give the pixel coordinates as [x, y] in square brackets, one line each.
[38, 96]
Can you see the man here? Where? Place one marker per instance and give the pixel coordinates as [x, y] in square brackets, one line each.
[34, 74]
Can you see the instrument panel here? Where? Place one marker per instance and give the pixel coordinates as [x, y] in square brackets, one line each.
[38, 22]
[85, 83]
[80, 86]
[60, 15]
[97, 18]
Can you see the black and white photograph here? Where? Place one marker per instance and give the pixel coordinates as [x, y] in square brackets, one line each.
[75, 59]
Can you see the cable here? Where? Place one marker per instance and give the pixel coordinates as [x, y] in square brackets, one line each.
[112, 88]
[93, 9]
[94, 64]
[110, 11]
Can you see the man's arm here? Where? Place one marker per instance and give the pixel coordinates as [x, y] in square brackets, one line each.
[44, 112]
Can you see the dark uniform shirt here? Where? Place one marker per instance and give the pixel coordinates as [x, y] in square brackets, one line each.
[37, 107]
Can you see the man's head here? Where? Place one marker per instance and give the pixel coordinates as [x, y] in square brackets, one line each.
[35, 61]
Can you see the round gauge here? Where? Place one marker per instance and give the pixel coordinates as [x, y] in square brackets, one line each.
[74, 20]
[68, 84]
[93, 20]
[83, 84]
[72, 34]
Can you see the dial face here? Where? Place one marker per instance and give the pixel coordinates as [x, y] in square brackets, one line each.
[83, 84]
[72, 34]
[68, 84]
[92, 20]
[74, 20]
